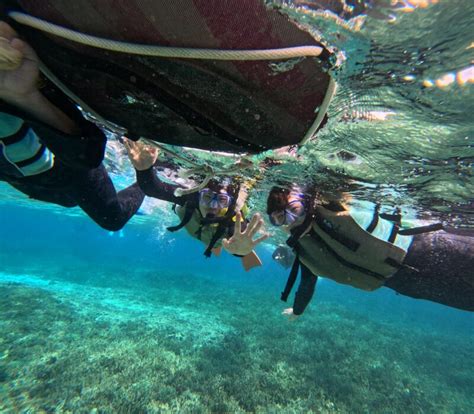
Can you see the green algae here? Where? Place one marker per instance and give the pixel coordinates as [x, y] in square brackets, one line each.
[215, 350]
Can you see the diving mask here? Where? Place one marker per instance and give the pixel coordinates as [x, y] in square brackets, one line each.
[211, 199]
[294, 210]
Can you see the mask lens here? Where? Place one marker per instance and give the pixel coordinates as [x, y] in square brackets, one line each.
[205, 196]
[211, 199]
[223, 200]
[277, 218]
[296, 208]
[290, 218]
[293, 211]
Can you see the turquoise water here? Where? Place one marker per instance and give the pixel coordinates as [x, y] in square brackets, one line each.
[138, 321]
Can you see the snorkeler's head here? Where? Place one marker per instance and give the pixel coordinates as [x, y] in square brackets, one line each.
[286, 207]
[216, 198]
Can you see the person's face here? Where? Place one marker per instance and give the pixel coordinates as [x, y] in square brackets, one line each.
[292, 215]
[213, 201]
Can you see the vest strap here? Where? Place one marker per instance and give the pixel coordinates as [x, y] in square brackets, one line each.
[375, 220]
[344, 262]
[223, 226]
[217, 235]
[394, 263]
[395, 217]
[297, 232]
[393, 233]
[188, 214]
[421, 229]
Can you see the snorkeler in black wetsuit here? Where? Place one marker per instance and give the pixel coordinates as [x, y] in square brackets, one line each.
[51, 154]
[428, 262]
[444, 263]
[214, 215]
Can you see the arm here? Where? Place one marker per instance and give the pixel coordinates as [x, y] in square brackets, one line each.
[305, 290]
[143, 159]
[73, 145]
[152, 186]
[39, 108]
[19, 84]
[250, 261]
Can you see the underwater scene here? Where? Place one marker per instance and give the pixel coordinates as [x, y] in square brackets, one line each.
[138, 321]
[108, 303]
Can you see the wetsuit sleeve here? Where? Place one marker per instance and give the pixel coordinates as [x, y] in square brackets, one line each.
[152, 186]
[305, 290]
[83, 150]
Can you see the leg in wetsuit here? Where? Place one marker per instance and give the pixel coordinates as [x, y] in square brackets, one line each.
[445, 264]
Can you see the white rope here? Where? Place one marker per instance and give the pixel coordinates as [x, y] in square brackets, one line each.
[330, 92]
[205, 169]
[173, 52]
[210, 172]
[162, 51]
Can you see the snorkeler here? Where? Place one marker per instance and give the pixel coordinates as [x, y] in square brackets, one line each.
[215, 215]
[51, 154]
[371, 251]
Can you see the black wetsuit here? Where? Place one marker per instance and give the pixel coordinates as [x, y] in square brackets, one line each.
[444, 263]
[154, 187]
[78, 177]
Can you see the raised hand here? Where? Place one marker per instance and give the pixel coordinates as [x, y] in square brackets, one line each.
[242, 243]
[141, 156]
[17, 80]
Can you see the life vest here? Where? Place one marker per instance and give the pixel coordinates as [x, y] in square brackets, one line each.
[209, 231]
[338, 247]
[22, 154]
[199, 230]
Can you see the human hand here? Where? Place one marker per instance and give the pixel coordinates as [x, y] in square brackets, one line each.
[242, 243]
[288, 312]
[141, 156]
[20, 81]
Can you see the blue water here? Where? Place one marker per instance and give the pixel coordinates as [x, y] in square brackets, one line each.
[135, 321]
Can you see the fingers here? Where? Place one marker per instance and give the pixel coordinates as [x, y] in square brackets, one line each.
[10, 58]
[238, 224]
[25, 49]
[252, 223]
[130, 146]
[7, 31]
[254, 226]
[127, 144]
[10, 55]
[153, 152]
[136, 148]
[261, 239]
